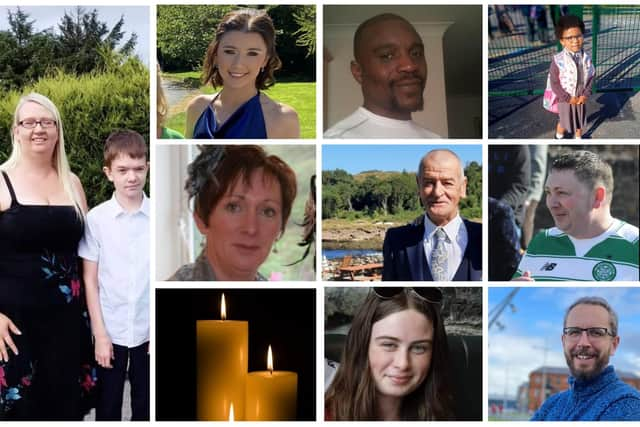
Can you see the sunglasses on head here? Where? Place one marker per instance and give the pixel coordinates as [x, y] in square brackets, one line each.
[429, 294]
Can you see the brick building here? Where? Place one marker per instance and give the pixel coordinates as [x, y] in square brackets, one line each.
[556, 381]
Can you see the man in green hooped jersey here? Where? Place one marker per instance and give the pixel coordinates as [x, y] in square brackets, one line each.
[587, 243]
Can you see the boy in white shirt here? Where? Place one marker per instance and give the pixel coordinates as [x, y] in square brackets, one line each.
[115, 252]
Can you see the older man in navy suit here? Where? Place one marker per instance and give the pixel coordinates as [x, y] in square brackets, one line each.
[440, 245]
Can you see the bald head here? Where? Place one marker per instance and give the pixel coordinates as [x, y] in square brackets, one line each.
[368, 29]
[443, 157]
[390, 66]
[441, 185]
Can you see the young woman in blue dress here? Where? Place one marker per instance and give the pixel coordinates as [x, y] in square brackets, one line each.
[241, 59]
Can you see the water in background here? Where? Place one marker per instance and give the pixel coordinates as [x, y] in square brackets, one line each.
[340, 253]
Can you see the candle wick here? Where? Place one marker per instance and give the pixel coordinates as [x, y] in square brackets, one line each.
[270, 371]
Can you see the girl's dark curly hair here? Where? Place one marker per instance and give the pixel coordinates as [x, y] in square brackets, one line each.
[566, 22]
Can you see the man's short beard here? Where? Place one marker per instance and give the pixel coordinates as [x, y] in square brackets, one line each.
[600, 365]
[397, 107]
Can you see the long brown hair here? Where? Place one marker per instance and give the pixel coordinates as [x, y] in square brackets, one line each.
[352, 394]
[246, 21]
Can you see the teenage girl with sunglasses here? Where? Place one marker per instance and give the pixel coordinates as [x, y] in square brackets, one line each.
[395, 361]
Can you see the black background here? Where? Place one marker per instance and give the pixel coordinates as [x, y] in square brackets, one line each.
[282, 318]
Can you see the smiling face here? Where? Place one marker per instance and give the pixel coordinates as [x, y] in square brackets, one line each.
[400, 351]
[243, 226]
[570, 202]
[391, 68]
[441, 185]
[586, 357]
[572, 39]
[39, 140]
[128, 175]
[239, 58]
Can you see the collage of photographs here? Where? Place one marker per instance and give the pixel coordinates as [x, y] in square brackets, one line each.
[410, 172]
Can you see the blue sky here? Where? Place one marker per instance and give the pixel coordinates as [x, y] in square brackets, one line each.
[393, 157]
[136, 20]
[537, 323]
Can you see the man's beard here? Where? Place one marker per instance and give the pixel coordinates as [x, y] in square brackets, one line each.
[396, 105]
[417, 106]
[601, 362]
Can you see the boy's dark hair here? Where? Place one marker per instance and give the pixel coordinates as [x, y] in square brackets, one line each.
[124, 142]
[566, 22]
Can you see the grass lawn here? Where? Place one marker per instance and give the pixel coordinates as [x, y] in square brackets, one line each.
[300, 96]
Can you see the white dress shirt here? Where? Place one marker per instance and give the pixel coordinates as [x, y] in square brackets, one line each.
[455, 243]
[119, 242]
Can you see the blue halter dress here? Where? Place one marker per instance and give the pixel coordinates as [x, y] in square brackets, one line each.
[246, 122]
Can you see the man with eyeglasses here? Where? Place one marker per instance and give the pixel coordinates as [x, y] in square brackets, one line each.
[596, 393]
[587, 242]
[440, 245]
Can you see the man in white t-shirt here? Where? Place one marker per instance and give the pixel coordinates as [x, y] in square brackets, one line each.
[587, 243]
[390, 67]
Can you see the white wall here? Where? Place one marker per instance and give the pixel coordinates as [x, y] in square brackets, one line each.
[173, 218]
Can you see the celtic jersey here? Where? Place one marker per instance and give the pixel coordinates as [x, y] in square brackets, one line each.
[554, 255]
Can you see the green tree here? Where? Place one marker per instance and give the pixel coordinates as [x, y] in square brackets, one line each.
[330, 201]
[21, 27]
[24, 54]
[338, 187]
[184, 33]
[84, 45]
[83, 37]
[403, 194]
[471, 206]
[306, 33]
[364, 198]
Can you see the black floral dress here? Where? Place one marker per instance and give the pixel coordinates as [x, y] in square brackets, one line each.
[53, 375]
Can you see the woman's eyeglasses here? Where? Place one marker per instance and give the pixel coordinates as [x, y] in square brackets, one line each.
[31, 123]
[429, 294]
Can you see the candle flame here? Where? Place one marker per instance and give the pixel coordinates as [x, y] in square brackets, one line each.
[223, 309]
[231, 413]
[270, 361]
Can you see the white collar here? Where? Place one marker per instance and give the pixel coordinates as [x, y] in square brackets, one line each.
[115, 209]
[451, 229]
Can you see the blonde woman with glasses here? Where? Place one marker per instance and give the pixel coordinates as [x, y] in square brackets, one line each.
[45, 342]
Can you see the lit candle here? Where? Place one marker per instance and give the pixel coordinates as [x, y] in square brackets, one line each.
[231, 413]
[222, 349]
[271, 395]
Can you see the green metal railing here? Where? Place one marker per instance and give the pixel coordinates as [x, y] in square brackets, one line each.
[522, 42]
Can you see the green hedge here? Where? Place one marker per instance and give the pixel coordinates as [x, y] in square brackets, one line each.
[91, 106]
